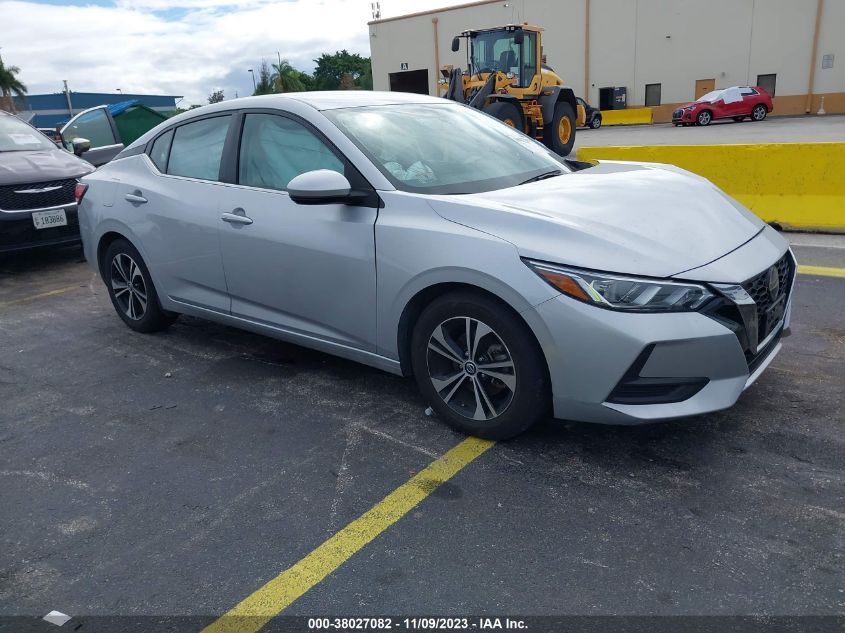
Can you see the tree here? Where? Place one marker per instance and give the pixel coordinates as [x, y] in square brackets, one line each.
[331, 69]
[216, 96]
[286, 78]
[265, 85]
[10, 85]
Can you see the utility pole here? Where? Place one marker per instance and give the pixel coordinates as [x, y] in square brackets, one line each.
[252, 72]
[67, 96]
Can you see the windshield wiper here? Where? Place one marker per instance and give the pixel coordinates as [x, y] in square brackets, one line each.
[548, 174]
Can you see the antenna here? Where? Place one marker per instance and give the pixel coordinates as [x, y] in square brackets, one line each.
[376, 8]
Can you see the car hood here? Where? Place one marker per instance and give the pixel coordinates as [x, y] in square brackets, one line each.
[638, 218]
[40, 166]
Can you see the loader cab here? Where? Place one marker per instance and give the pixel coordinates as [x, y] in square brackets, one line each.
[511, 50]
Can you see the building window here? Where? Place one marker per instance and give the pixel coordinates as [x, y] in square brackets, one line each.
[767, 83]
[652, 94]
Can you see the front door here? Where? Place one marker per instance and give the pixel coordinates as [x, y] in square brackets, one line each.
[97, 126]
[703, 86]
[308, 269]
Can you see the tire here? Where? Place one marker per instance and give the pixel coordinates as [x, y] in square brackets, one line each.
[509, 402]
[739, 119]
[596, 122]
[562, 121]
[704, 117]
[508, 113]
[759, 112]
[131, 289]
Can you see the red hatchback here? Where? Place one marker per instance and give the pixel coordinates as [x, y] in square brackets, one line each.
[734, 103]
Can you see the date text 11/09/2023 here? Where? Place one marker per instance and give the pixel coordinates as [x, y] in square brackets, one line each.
[413, 624]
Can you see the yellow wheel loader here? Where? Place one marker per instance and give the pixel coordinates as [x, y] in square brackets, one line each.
[506, 78]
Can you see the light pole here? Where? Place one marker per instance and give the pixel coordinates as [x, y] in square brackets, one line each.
[251, 72]
[119, 90]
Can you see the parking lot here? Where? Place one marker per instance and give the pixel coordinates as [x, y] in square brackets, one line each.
[176, 474]
[824, 129]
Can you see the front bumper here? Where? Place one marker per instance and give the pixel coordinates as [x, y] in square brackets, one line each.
[682, 116]
[626, 368]
[18, 233]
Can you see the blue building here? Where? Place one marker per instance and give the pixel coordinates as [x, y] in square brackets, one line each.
[50, 110]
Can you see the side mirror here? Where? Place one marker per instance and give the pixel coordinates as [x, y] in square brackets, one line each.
[519, 37]
[321, 186]
[456, 44]
[80, 145]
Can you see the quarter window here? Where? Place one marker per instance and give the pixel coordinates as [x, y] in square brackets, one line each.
[160, 151]
[276, 149]
[198, 147]
[94, 126]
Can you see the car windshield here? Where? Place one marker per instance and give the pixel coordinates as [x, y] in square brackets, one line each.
[712, 96]
[17, 136]
[444, 149]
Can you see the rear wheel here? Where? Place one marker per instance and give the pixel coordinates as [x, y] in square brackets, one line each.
[704, 117]
[759, 112]
[559, 134]
[479, 366]
[131, 289]
[596, 122]
[508, 113]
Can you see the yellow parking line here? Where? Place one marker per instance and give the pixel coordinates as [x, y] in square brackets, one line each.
[254, 611]
[823, 271]
[41, 295]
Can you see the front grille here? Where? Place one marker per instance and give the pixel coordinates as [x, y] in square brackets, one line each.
[11, 200]
[677, 114]
[758, 288]
[15, 234]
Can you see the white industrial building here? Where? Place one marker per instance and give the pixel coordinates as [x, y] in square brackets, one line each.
[663, 52]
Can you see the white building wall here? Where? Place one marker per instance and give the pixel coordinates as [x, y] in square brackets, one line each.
[637, 42]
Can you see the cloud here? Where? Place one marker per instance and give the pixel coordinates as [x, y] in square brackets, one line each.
[179, 47]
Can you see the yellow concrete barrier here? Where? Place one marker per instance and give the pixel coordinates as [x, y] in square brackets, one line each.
[630, 116]
[797, 185]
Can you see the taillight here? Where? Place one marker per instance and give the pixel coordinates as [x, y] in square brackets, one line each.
[79, 191]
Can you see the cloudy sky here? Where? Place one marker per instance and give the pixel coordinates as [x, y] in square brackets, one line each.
[178, 47]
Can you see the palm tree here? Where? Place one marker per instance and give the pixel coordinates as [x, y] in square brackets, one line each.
[286, 78]
[10, 84]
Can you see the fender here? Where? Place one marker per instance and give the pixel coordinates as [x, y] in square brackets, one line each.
[549, 100]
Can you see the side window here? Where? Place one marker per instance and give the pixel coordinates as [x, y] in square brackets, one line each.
[94, 126]
[275, 149]
[160, 151]
[197, 148]
[747, 92]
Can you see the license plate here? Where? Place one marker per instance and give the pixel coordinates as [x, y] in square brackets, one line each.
[47, 219]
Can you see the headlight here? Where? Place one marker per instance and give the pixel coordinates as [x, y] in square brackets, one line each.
[618, 292]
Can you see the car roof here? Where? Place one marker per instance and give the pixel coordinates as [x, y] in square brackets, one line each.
[333, 99]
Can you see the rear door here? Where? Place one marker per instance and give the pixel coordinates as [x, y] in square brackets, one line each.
[171, 197]
[308, 269]
[97, 126]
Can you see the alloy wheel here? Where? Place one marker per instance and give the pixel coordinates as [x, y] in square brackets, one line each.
[128, 287]
[759, 113]
[471, 368]
[704, 118]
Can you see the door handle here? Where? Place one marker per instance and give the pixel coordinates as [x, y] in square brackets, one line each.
[135, 198]
[237, 216]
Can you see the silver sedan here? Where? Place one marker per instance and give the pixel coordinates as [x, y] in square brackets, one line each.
[425, 238]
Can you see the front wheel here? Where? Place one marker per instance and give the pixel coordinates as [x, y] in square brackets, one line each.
[559, 133]
[596, 122]
[479, 366]
[131, 289]
[759, 112]
[704, 117]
